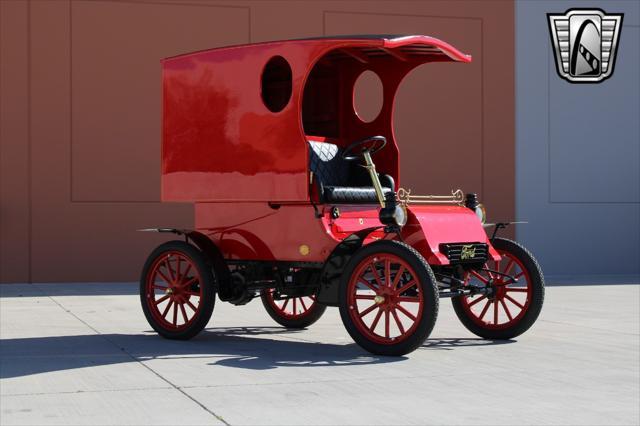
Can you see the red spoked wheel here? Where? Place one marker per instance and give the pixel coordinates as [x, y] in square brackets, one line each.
[390, 302]
[176, 290]
[509, 308]
[292, 312]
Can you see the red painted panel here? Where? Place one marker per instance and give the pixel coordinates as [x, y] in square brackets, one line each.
[220, 141]
[429, 226]
[255, 231]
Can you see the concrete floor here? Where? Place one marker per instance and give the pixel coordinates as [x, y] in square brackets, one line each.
[84, 354]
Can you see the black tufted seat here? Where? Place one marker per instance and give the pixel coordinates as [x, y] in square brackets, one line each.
[339, 181]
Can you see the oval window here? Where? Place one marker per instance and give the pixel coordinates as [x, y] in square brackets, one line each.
[368, 96]
[276, 84]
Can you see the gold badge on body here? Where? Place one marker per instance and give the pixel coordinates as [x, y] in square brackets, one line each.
[468, 252]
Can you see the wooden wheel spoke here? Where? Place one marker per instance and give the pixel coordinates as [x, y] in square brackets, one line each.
[162, 299]
[178, 276]
[408, 299]
[184, 313]
[480, 277]
[375, 320]
[506, 310]
[186, 271]
[496, 267]
[175, 314]
[398, 276]
[407, 313]
[304, 307]
[518, 289]
[484, 310]
[284, 305]
[295, 311]
[365, 296]
[189, 282]
[479, 299]
[166, 309]
[407, 286]
[398, 322]
[495, 312]
[191, 293]
[387, 273]
[167, 266]
[164, 277]
[508, 267]
[368, 284]
[191, 305]
[386, 324]
[368, 310]
[514, 301]
[375, 274]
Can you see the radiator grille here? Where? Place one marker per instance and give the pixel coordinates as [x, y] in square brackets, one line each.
[465, 252]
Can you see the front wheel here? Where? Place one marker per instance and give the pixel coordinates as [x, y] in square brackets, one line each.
[388, 298]
[292, 312]
[177, 291]
[510, 308]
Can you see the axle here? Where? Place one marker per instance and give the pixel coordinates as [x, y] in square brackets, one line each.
[464, 292]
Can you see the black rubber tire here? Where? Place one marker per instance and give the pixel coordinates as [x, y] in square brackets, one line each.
[314, 315]
[533, 311]
[208, 290]
[427, 285]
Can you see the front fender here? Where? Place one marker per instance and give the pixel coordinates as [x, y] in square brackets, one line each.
[428, 226]
[337, 262]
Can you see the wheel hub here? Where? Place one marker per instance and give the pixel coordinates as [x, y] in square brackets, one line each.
[385, 298]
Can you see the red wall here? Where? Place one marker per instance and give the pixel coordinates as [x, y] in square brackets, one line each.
[80, 115]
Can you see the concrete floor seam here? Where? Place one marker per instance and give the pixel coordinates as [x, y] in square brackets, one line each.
[136, 360]
[555, 374]
[86, 391]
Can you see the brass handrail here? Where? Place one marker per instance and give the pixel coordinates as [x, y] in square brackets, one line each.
[405, 197]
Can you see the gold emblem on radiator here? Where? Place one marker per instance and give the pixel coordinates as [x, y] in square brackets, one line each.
[304, 250]
[468, 252]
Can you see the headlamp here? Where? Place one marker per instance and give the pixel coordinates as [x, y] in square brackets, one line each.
[481, 213]
[471, 202]
[400, 215]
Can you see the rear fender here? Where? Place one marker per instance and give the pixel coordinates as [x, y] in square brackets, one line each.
[211, 252]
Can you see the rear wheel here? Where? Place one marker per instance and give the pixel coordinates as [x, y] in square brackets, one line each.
[176, 290]
[388, 298]
[292, 312]
[510, 308]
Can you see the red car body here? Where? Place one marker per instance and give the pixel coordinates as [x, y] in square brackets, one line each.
[246, 168]
[290, 206]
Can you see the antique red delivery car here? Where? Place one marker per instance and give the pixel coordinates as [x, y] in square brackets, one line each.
[298, 202]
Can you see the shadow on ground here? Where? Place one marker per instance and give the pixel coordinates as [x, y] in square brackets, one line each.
[241, 347]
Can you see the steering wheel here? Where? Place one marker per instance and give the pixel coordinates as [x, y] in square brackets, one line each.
[372, 144]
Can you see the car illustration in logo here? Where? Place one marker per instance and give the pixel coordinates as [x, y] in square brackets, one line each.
[585, 43]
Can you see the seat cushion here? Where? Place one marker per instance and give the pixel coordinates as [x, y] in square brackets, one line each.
[340, 181]
[326, 162]
[352, 194]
